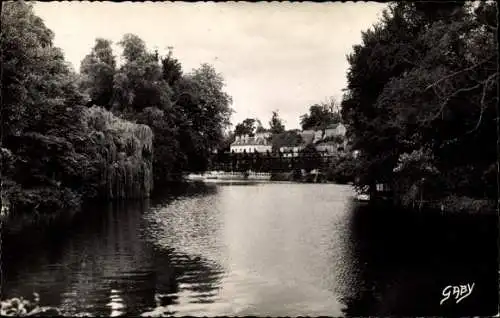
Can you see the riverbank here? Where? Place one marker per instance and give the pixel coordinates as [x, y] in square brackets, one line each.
[15, 223]
[449, 205]
[305, 177]
[460, 205]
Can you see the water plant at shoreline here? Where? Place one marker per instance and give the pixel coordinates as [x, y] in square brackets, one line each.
[20, 307]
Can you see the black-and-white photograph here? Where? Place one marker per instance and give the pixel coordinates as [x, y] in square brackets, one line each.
[265, 159]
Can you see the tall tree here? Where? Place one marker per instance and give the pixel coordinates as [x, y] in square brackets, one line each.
[171, 69]
[418, 89]
[320, 116]
[139, 83]
[98, 69]
[246, 127]
[276, 124]
[204, 109]
[41, 117]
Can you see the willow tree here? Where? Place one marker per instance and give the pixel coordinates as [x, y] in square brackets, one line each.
[123, 151]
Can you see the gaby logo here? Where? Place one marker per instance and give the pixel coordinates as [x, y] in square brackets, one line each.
[458, 292]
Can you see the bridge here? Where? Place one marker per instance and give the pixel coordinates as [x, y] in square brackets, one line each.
[270, 161]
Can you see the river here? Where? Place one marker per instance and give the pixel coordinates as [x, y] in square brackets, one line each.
[269, 249]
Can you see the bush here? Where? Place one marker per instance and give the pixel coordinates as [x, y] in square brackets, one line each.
[462, 204]
[342, 170]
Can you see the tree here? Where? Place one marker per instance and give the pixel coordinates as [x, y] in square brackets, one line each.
[139, 83]
[229, 138]
[134, 48]
[276, 124]
[286, 139]
[171, 69]
[167, 154]
[98, 69]
[246, 127]
[56, 152]
[321, 116]
[417, 83]
[187, 112]
[203, 109]
[260, 128]
[310, 158]
[41, 118]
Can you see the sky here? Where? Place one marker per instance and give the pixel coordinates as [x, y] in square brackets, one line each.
[273, 56]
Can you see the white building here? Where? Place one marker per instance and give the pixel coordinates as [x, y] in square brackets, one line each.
[338, 130]
[258, 143]
[291, 151]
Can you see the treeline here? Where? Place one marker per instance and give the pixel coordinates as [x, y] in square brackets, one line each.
[109, 132]
[421, 102]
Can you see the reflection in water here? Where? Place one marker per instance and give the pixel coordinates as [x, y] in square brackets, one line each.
[270, 259]
[104, 267]
[403, 261]
[255, 249]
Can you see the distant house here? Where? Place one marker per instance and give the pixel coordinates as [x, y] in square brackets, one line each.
[258, 143]
[307, 136]
[335, 130]
[291, 151]
[329, 142]
[318, 135]
[327, 147]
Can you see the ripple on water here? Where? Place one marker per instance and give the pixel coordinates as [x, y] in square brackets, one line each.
[260, 250]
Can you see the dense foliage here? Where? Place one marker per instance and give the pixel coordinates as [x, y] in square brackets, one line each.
[123, 155]
[41, 112]
[246, 127]
[148, 119]
[290, 138]
[421, 97]
[97, 71]
[276, 124]
[321, 116]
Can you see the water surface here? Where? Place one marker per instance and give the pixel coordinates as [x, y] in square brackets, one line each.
[262, 249]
